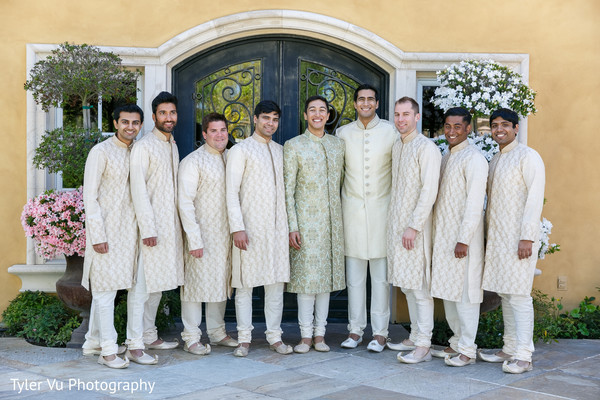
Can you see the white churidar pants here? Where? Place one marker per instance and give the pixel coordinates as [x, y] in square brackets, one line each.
[356, 281]
[273, 313]
[141, 312]
[312, 307]
[463, 319]
[101, 331]
[191, 316]
[518, 325]
[420, 311]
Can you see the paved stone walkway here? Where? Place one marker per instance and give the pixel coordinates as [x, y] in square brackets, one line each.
[566, 370]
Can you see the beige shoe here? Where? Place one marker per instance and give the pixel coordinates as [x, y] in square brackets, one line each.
[513, 367]
[400, 346]
[282, 348]
[240, 351]
[321, 346]
[227, 341]
[163, 345]
[494, 358]
[443, 353]
[301, 348]
[457, 361]
[117, 363]
[411, 359]
[144, 359]
[199, 349]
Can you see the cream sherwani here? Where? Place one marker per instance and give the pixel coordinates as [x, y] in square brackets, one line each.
[203, 212]
[458, 218]
[515, 200]
[256, 205]
[110, 219]
[415, 171]
[154, 163]
[415, 176]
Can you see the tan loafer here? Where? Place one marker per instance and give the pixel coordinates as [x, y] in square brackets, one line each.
[282, 348]
[227, 341]
[411, 359]
[117, 363]
[144, 359]
[301, 348]
[240, 351]
[494, 358]
[513, 367]
[321, 346]
[457, 361]
[442, 353]
[164, 345]
[199, 349]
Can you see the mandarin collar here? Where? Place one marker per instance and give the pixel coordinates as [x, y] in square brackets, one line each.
[410, 137]
[260, 139]
[313, 137]
[115, 140]
[460, 146]
[211, 150]
[510, 146]
[161, 136]
[372, 123]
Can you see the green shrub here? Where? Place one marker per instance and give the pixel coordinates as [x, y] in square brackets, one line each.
[40, 318]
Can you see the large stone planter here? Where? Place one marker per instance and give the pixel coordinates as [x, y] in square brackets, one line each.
[40, 277]
[76, 297]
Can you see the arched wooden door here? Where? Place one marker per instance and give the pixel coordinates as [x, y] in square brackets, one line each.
[232, 78]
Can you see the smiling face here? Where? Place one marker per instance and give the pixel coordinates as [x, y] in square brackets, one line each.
[366, 105]
[316, 116]
[503, 131]
[456, 130]
[165, 118]
[128, 126]
[265, 125]
[216, 135]
[405, 118]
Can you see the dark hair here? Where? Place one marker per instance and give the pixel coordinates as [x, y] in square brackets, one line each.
[212, 117]
[267, 107]
[163, 97]
[129, 108]
[413, 103]
[458, 112]
[506, 114]
[366, 86]
[313, 98]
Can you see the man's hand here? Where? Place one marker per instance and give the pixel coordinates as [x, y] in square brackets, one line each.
[525, 249]
[150, 242]
[408, 238]
[461, 249]
[295, 240]
[198, 253]
[101, 248]
[240, 240]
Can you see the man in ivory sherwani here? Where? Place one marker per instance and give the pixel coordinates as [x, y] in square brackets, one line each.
[154, 162]
[258, 222]
[368, 145]
[203, 212]
[415, 174]
[514, 208]
[111, 233]
[457, 261]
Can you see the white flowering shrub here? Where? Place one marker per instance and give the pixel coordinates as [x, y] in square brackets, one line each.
[483, 86]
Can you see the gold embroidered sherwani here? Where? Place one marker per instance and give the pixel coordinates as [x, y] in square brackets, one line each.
[367, 184]
[313, 170]
[458, 218]
[256, 204]
[515, 200]
[203, 212]
[415, 176]
[110, 218]
[154, 162]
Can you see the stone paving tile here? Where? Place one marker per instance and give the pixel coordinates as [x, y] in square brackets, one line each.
[292, 385]
[430, 384]
[351, 368]
[9, 384]
[226, 392]
[505, 392]
[555, 355]
[589, 367]
[366, 392]
[561, 384]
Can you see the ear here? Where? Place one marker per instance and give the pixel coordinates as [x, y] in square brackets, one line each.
[115, 123]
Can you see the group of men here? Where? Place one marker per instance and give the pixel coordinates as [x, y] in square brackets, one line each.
[316, 214]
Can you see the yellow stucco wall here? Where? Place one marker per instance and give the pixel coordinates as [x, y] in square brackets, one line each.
[562, 39]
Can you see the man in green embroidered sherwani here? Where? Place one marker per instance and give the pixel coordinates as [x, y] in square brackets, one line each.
[313, 173]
